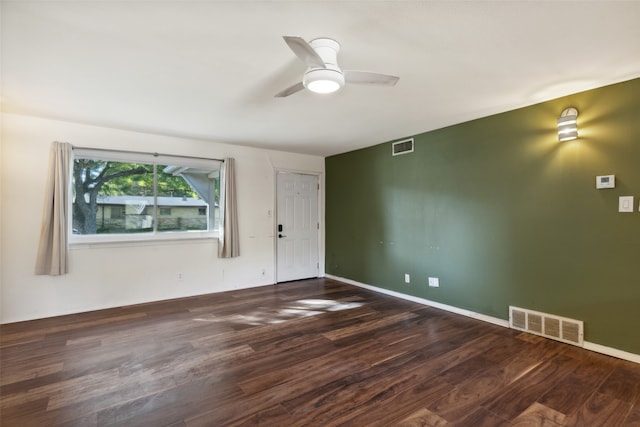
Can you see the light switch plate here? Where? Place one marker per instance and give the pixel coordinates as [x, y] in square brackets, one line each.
[625, 204]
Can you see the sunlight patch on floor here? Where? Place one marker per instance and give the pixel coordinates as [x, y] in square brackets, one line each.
[293, 310]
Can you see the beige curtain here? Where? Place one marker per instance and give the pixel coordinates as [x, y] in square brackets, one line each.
[228, 241]
[52, 252]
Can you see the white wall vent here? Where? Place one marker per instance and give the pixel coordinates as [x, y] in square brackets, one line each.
[402, 147]
[547, 325]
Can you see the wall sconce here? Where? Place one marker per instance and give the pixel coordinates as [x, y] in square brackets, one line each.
[568, 124]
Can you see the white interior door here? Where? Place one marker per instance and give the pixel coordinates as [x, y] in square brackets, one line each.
[297, 227]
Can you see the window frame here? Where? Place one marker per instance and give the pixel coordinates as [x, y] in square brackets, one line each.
[151, 159]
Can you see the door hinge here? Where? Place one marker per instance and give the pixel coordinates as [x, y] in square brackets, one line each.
[318, 226]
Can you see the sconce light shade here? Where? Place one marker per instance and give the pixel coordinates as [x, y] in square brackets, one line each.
[568, 124]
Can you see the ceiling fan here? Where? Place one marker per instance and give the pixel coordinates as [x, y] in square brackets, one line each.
[323, 74]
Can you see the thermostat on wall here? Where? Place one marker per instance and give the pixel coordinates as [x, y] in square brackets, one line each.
[606, 181]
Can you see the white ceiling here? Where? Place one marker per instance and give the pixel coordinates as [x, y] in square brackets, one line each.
[209, 69]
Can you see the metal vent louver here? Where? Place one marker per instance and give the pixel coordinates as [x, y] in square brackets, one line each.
[402, 147]
[559, 328]
[534, 323]
[571, 331]
[552, 327]
[519, 319]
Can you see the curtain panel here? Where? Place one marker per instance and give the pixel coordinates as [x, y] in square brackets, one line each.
[228, 241]
[52, 256]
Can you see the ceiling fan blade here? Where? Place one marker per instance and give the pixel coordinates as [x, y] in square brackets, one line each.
[290, 90]
[304, 51]
[366, 77]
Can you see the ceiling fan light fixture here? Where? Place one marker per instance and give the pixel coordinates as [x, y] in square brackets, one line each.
[323, 80]
[323, 75]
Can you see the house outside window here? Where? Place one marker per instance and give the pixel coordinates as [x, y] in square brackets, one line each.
[132, 196]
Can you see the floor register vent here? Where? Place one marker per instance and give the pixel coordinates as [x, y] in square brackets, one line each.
[547, 325]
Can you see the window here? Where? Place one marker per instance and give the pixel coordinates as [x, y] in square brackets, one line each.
[129, 196]
[117, 212]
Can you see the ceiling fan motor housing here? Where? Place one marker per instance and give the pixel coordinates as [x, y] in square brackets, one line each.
[328, 50]
[330, 78]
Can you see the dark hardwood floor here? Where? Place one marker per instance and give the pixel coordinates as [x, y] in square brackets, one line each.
[308, 353]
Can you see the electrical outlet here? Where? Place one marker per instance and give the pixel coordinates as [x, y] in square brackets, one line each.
[434, 282]
[407, 278]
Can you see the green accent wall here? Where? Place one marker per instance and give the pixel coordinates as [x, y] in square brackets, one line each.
[503, 214]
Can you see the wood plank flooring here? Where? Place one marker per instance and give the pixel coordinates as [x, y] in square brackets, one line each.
[308, 353]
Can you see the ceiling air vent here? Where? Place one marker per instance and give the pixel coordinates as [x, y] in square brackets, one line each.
[402, 147]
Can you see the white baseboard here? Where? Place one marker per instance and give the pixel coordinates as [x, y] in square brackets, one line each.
[472, 314]
[609, 351]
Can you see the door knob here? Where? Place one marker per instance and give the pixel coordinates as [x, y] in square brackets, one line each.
[280, 236]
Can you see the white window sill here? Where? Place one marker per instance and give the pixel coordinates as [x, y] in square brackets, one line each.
[147, 239]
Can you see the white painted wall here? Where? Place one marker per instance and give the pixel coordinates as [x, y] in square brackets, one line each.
[113, 275]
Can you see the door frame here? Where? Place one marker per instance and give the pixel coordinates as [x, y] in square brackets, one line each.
[321, 210]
